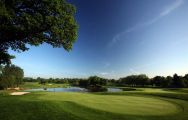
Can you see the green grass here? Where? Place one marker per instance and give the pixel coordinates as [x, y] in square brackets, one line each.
[148, 104]
[185, 90]
[117, 104]
[168, 93]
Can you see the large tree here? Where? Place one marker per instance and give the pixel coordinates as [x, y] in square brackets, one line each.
[35, 22]
[11, 76]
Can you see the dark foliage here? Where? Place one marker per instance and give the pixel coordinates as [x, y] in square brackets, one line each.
[35, 22]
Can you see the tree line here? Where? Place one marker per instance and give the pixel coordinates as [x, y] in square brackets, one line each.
[141, 80]
[12, 76]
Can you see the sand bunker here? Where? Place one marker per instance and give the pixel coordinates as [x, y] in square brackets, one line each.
[19, 93]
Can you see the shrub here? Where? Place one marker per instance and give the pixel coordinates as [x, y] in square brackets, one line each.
[97, 88]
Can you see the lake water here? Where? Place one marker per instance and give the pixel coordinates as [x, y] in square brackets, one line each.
[68, 89]
[114, 90]
[71, 89]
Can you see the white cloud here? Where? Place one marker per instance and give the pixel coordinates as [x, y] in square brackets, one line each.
[171, 7]
[104, 73]
[167, 10]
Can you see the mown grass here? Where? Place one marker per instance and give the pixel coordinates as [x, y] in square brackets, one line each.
[139, 105]
[117, 104]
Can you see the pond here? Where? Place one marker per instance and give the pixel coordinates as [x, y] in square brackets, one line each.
[71, 89]
[114, 90]
[68, 89]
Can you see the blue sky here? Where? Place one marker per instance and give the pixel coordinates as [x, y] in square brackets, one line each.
[117, 38]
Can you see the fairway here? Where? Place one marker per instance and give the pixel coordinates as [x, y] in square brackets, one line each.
[131, 105]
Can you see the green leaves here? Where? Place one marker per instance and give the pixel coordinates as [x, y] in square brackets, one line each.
[36, 21]
[11, 76]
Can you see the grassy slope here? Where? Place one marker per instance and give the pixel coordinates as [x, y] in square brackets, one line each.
[79, 106]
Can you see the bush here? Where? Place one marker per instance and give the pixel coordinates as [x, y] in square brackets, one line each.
[97, 88]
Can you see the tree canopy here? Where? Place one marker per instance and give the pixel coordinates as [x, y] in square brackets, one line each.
[35, 22]
[135, 80]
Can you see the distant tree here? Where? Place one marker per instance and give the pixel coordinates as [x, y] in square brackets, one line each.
[178, 81]
[112, 80]
[34, 22]
[186, 80]
[182, 82]
[94, 80]
[41, 80]
[73, 82]
[29, 79]
[129, 80]
[142, 80]
[135, 80]
[103, 81]
[175, 80]
[65, 81]
[167, 82]
[50, 80]
[158, 81]
[186, 76]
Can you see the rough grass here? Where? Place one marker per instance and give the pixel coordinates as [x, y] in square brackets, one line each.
[143, 105]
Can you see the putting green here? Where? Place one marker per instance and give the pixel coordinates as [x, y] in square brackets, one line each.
[131, 105]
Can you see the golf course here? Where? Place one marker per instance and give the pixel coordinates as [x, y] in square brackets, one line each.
[93, 60]
[144, 104]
